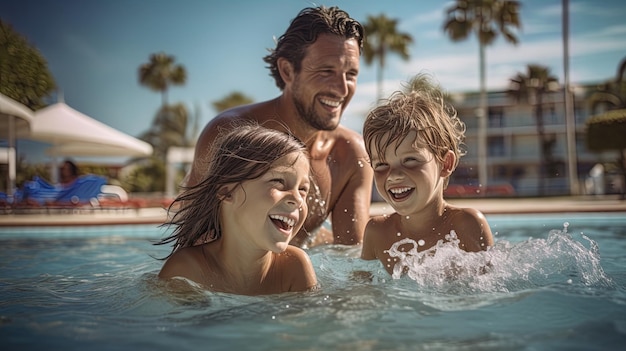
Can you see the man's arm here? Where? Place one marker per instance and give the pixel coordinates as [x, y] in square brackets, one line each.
[352, 208]
[368, 251]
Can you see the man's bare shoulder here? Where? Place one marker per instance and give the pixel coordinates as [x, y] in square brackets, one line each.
[251, 112]
[349, 143]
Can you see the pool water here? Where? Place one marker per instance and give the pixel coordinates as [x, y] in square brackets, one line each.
[552, 282]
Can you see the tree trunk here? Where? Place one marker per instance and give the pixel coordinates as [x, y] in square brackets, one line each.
[542, 142]
[482, 123]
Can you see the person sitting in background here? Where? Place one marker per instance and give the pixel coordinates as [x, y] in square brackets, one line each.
[68, 173]
[247, 207]
[414, 142]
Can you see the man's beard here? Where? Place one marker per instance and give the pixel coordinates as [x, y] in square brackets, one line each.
[309, 116]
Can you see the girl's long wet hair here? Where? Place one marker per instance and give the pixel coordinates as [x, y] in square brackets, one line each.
[304, 30]
[241, 152]
[421, 108]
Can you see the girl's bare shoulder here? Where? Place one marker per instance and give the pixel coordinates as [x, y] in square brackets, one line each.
[186, 263]
[296, 264]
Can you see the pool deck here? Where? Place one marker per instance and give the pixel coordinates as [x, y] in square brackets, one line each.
[567, 204]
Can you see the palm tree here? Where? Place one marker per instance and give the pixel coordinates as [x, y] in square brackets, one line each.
[606, 129]
[605, 132]
[611, 95]
[531, 88]
[169, 128]
[160, 73]
[487, 19]
[231, 100]
[382, 37]
[24, 73]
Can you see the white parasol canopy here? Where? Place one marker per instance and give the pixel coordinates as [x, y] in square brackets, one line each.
[73, 133]
[15, 121]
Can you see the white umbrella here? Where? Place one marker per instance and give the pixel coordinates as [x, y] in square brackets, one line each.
[97, 149]
[15, 120]
[73, 133]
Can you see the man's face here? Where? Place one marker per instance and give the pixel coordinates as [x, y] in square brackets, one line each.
[326, 81]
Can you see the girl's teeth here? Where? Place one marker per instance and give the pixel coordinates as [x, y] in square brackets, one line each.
[289, 221]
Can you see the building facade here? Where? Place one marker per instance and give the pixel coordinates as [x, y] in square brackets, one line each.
[514, 148]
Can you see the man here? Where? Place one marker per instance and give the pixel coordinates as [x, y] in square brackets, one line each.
[315, 64]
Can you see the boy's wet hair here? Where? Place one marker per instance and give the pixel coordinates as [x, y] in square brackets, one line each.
[421, 107]
[304, 30]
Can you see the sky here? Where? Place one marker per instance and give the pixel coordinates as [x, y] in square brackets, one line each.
[95, 47]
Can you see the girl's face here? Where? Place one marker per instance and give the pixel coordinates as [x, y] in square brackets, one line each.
[409, 178]
[271, 209]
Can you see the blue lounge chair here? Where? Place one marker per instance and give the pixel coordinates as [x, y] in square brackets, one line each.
[82, 191]
[39, 192]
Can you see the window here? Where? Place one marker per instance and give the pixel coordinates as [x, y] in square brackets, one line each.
[496, 117]
[495, 146]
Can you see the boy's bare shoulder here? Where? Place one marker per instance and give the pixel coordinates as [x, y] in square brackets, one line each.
[383, 220]
[471, 228]
[466, 215]
[376, 237]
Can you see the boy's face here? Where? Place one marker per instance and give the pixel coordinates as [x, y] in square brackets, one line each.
[409, 177]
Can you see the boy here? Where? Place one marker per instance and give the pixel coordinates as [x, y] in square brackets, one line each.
[414, 142]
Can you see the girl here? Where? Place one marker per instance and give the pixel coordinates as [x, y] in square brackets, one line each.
[251, 202]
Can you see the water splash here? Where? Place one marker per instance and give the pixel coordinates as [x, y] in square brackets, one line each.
[559, 259]
[315, 201]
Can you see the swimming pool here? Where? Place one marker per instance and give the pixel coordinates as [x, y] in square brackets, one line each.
[539, 288]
